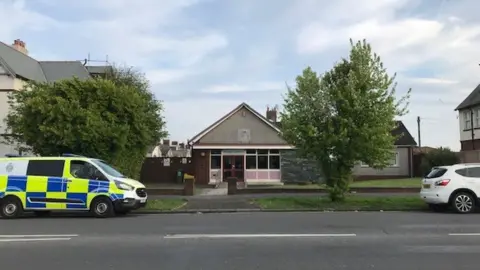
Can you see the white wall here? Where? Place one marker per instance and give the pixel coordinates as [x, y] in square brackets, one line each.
[464, 115]
[7, 83]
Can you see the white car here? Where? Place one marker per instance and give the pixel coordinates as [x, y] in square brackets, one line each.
[456, 186]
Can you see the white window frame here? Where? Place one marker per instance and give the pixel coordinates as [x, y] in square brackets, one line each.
[467, 120]
[268, 159]
[210, 161]
[477, 118]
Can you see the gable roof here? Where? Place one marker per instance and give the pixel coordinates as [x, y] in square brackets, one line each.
[471, 100]
[60, 70]
[405, 139]
[225, 117]
[21, 65]
[99, 69]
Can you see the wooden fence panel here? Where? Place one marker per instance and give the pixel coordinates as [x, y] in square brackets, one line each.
[163, 170]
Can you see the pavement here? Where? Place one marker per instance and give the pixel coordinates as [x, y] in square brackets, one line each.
[338, 240]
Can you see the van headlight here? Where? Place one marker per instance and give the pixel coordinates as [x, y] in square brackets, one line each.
[123, 186]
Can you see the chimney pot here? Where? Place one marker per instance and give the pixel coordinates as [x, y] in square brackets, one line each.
[19, 45]
[271, 115]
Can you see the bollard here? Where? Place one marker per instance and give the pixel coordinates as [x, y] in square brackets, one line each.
[232, 185]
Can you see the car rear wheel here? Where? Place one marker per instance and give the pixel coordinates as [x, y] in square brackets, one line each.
[11, 207]
[463, 203]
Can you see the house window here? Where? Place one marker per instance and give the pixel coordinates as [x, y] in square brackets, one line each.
[262, 159]
[394, 161]
[215, 160]
[468, 120]
[477, 119]
[251, 162]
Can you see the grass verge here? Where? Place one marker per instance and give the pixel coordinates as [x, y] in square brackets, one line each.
[165, 204]
[351, 203]
[389, 183]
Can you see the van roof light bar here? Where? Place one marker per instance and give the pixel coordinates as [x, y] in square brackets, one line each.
[71, 155]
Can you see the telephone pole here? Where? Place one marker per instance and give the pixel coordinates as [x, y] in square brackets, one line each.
[418, 129]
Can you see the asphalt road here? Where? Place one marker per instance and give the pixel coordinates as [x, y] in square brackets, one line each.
[264, 241]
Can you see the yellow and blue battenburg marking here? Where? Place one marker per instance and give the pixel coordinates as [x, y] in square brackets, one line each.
[38, 192]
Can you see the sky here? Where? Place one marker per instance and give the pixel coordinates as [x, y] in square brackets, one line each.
[205, 57]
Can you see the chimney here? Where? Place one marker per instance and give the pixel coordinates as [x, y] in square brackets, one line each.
[20, 46]
[166, 142]
[272, 114]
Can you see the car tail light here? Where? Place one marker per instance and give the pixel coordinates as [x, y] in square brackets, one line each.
[442, 183]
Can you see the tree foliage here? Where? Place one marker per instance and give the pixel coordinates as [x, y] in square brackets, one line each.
[344, 116]
[115, 118]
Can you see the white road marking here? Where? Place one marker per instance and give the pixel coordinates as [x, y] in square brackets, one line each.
[464, 234]
[38, 235]
[33, 239]
[197, 236]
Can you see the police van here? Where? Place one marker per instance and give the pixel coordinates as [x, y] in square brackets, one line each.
[66, 183]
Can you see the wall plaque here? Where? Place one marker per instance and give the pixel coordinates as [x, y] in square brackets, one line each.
[244, 135]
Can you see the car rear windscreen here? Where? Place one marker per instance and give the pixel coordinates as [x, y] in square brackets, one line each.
[436, 172]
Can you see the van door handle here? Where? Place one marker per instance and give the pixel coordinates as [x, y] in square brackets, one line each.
[68, 181]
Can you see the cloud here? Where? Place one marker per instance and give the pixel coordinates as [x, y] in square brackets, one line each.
[235, 88]
[208, 56]
[436, 81]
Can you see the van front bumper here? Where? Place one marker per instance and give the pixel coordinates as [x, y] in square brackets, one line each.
[131, 201]
[128, 204]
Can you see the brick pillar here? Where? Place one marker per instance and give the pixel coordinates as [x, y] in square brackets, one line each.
[189, 187]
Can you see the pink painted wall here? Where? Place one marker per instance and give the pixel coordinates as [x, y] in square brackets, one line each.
[262, 175]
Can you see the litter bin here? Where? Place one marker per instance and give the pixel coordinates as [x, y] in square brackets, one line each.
[180, 174]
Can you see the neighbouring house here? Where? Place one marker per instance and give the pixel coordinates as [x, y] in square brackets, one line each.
[248, 145]
[169, 149]
[469, 121]
[17, 68]
[401, 165]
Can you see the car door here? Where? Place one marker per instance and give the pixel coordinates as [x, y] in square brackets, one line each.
[472, 179]
[84, 181]
[46, 187]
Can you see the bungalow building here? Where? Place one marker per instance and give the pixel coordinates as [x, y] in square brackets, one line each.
[247, 145]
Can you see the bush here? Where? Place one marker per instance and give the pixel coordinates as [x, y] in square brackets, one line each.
[441, 156]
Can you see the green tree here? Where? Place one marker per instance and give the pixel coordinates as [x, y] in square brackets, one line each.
[114, 118]
[344, 116]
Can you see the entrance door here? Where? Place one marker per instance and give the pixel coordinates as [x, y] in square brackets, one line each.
[233, 166]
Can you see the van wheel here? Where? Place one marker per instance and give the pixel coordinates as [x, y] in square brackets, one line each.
[11, 207]
[102, 207]
[463, 203]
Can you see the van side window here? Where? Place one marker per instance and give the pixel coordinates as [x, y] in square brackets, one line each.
[85, 170]
[52, 168]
